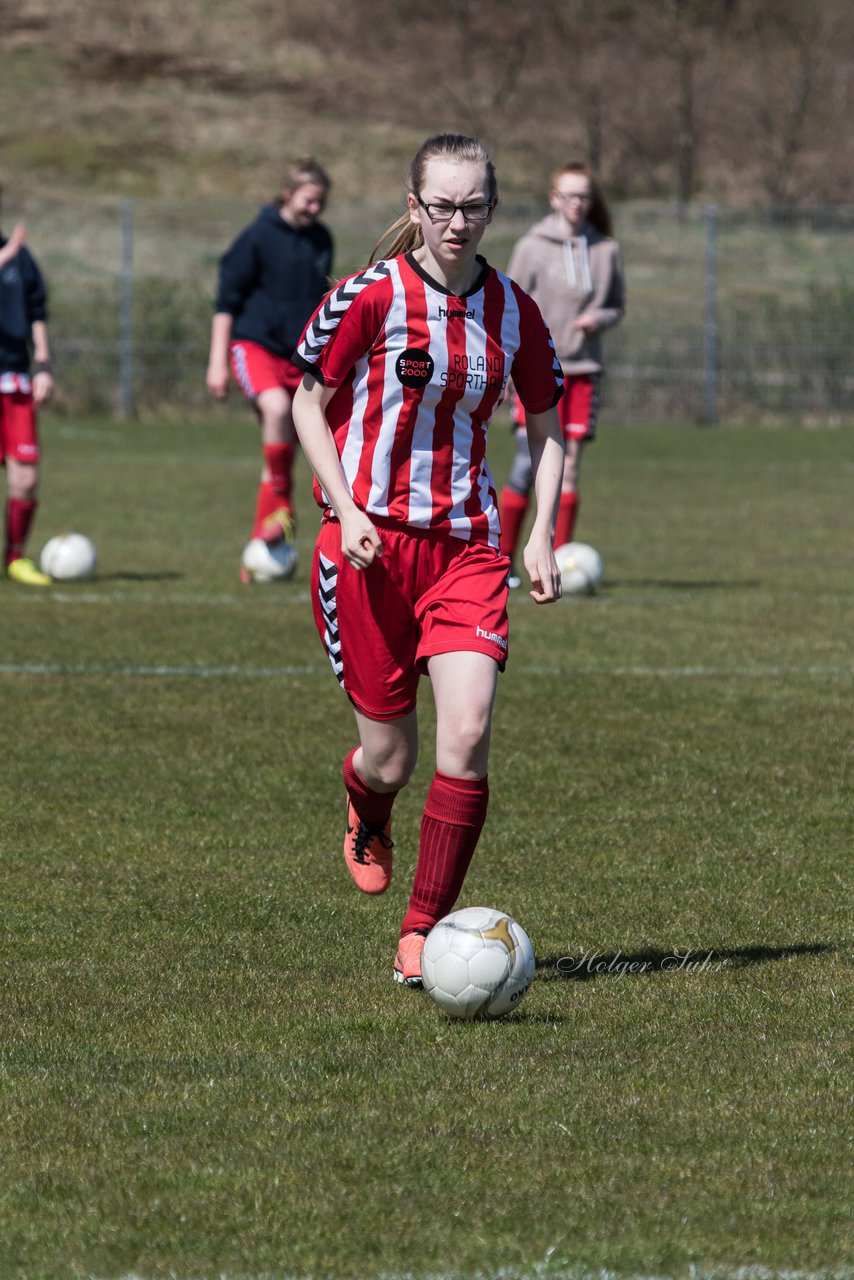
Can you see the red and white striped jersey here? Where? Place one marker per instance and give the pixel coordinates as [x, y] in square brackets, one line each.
[419, 372]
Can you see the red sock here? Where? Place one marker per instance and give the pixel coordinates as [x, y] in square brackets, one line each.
[453, 820]
[567, 515]
[19, 518]
[513, 509]
[371, 806]
[275, 493]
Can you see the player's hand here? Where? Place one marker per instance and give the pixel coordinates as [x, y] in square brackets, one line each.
[217, 381]
[360, 541]
[542, 569]
[585, 321]
[42, 387]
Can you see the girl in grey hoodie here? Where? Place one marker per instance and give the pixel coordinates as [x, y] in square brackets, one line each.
[571, 265]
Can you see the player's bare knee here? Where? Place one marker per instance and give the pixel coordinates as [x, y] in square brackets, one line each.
[274, 407]
[22, 480]
[466, 743]
[521, 476]
[395, 772]
[390, 768]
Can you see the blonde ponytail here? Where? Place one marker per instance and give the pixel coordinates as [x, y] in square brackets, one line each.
[402, 236]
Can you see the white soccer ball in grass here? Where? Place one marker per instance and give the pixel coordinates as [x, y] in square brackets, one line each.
[69, 556]
[477, 963]
[581, 568]
[269, 561]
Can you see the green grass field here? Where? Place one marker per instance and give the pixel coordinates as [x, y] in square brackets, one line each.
[206, 1068]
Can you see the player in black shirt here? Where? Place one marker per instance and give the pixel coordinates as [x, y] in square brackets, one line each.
[23, 336]
[271, 280]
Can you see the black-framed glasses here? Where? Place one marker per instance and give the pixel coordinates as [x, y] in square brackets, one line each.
[443, 210]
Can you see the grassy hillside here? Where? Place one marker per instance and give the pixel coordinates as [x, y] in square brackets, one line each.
[119, 99]
[139, 97]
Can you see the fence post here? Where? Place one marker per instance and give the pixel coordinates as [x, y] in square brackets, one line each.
[126, 353]
[710, 324]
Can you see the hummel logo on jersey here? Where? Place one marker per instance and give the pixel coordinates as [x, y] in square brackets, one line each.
[414, 368]
[490, 635]
[455, 314]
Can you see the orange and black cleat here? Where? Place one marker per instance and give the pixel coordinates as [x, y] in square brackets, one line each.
[407, 962]
[368, 852]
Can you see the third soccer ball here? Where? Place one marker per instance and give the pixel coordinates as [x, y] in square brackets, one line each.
[581, 568]
[269, 561]
[69, 556]
[477, 963]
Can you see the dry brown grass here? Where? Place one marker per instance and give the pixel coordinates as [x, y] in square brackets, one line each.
[141, 98]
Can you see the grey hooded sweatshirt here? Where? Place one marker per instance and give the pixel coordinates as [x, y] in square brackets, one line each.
[566, 277]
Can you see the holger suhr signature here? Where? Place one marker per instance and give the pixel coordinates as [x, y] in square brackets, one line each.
[595, 962]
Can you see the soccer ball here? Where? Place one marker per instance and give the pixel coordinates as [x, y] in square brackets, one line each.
[477, 963]
[69, 556]
[581, 568]
[269, 561]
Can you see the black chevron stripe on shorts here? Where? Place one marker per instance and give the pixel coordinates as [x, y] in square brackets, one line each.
[327, 586]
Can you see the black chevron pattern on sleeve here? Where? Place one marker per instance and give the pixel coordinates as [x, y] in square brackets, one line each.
[334, 307]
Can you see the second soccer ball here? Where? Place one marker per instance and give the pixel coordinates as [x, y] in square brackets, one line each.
[581, 568]
[69, 556]
[269, 562]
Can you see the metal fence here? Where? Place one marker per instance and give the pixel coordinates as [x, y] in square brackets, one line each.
[733, 316]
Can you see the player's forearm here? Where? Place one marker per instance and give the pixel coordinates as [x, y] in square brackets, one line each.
[12, 246]
[221, 327]
[545, 441]
[319, 448]
[42, 371]
[41, 346]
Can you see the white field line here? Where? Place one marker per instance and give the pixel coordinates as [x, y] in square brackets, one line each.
[162, 601]
[272, 595]
[233, 671]
[121, 669]
[546, 1270]
[775, 671]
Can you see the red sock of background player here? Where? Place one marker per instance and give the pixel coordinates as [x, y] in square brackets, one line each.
[19, 519]
[371, 806]
[567, 515]
[275, 493]
[513, 509]
[450, 829]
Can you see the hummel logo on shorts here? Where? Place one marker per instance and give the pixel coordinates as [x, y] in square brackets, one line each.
[490, 635]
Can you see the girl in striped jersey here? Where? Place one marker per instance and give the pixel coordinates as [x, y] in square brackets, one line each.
[405, 363]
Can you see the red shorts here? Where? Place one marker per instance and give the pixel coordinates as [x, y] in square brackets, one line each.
[577, 409]
[427, 594]
[257, 369]
[18, 428]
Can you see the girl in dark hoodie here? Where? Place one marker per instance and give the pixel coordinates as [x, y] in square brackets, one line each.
[270, 281]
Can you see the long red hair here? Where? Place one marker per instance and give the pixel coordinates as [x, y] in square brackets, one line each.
[598, 214]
